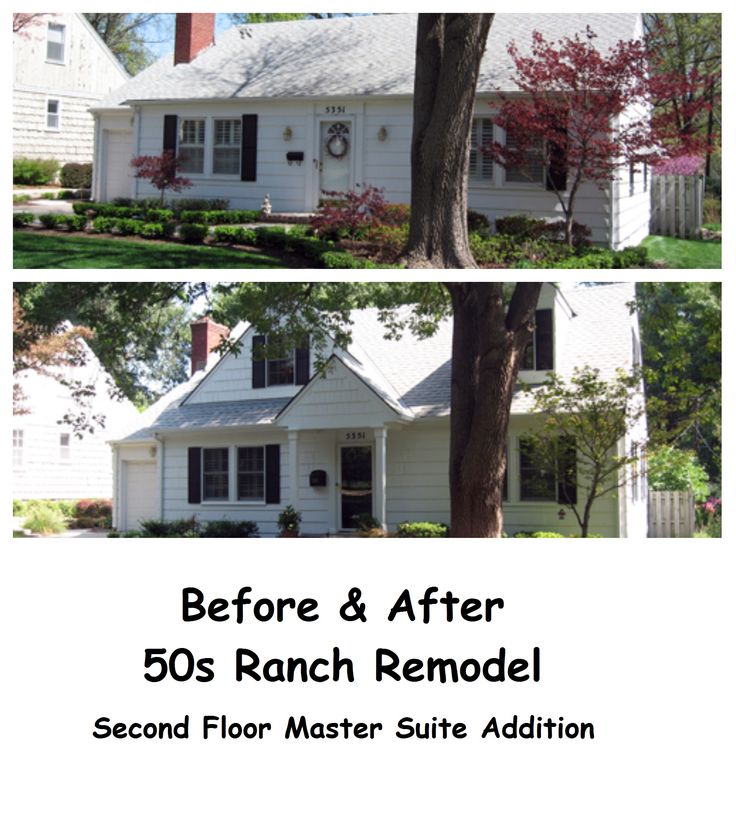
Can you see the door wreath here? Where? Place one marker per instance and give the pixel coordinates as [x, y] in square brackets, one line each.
[338, 144]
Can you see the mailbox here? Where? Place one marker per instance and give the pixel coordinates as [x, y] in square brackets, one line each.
[295, 156]
[318, 479]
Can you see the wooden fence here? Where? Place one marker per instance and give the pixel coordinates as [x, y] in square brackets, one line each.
[677, 205]
[671, 514]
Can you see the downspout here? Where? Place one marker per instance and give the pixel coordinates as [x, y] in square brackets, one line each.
[160, 459]
[137, 144]
[96, 156]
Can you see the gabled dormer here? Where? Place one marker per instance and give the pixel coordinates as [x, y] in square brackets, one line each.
[545, 352]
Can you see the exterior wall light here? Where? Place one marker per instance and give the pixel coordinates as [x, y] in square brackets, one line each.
[287, 134]
[382, 134]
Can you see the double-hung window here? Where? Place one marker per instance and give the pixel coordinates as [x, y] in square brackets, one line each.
[531, 170]
[191, 145]
[539, 354]
[17, 448]
[251, 473]
[53, 114]
[226, 150]
[56, 43]
[65, 447]
[215, 474]
[548, 480]
[481, 164]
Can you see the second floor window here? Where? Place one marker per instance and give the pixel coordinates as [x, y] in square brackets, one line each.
[539, 354]
[56, 43]
[191, 145]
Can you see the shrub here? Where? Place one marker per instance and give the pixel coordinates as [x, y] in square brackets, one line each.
[349, 214]
[103, 225]
[193, 204]
[219, 217]
[34, 171]
[629, 258]
[45, 519]
[522, 227]
[50, 221]
[22, 219]
[19, 199]
[73, 223]
[168, 528]
[93, 508]
[478, 222]
[76, 175]
[391, 240]
[234, 235]
[230, 528]
[344, 260]
[423, 530]
[193, 232]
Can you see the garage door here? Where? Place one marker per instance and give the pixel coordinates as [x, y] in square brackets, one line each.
[118, 173]
[141, 493]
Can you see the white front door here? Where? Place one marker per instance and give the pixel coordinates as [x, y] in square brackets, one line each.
[336, 156]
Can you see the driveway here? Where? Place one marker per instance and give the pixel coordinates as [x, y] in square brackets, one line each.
[44, 206]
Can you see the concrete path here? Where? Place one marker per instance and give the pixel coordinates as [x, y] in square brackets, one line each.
[44, 206]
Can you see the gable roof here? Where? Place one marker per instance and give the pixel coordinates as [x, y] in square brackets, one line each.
[412, 377]
[371, 55]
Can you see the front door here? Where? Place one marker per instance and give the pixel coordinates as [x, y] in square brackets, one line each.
[336, 155]
[356, 491]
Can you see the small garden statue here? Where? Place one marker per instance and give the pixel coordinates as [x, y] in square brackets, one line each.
[266, 206]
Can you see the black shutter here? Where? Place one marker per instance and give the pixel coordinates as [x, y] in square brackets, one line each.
[543, 338]
[259, 364]
[273, 473]
[557, 168]
[195, 475]
[171, 129]
[248, 149]
[302, 364]
[567, 473]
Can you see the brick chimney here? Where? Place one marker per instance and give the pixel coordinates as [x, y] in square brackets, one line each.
[194, 32]
[206, 336]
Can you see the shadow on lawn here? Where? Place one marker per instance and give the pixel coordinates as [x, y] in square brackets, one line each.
[35, 250]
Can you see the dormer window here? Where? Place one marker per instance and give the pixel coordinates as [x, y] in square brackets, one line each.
[56, 43]
[539, 354]
[291, 369]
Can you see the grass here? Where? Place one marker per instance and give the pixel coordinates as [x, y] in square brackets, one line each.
[32, 250]
[684, 254]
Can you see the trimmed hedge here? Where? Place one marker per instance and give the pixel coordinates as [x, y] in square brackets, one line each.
[235, 235]
[423, 530]
[22, 219]
[219, 217]
[105, 209]
[76, 175]
[51, 221]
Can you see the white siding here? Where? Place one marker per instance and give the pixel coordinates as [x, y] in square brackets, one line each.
[88, 73]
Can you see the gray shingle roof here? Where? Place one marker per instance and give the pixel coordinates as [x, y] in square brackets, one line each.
[412, 375]
[358, 56]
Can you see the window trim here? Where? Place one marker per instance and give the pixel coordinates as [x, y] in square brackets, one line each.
[181, 149]
[478, 179]
[49, 128]
[62, 28]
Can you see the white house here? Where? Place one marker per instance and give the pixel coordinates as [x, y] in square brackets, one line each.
[50, 461]
[61, 68]
[243, 437]
[297, 108]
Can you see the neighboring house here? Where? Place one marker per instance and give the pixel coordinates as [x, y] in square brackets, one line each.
[61, 68]
[244, 437]
[49, 460]
[297, 108]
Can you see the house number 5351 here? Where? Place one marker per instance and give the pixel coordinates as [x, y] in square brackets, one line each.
[335, 109]
[353, 435]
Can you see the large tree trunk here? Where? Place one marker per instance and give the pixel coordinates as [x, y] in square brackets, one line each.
[489, 340]
[448, 55]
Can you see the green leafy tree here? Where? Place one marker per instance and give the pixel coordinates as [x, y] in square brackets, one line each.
[492, 326]
[584, 420]
[681, 341]
[138, 331]
[674, 469]
[131, 36]
[239, 18]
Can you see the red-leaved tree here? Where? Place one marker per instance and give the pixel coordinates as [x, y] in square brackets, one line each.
[584, 116]
[162, 172]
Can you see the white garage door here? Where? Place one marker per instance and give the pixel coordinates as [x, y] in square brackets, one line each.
[141, 493]
[118, 173]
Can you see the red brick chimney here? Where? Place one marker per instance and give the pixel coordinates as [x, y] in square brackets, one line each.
[206, 336]
[194, 32]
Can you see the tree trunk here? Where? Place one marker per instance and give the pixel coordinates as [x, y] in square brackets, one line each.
[448, 54]
[487, 347]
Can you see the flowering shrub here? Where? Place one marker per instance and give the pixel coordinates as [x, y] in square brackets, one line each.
[349, 214]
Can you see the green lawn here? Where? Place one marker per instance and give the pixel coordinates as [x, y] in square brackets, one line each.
[684, 254]
[33, 250]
